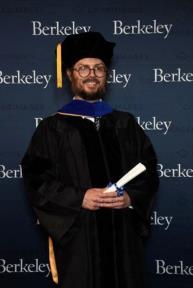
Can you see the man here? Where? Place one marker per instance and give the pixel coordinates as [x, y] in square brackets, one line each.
[73, 155]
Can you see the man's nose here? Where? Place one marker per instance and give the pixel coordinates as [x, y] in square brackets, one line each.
[92, 72]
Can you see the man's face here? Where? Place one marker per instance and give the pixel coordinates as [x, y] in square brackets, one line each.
[89, 87]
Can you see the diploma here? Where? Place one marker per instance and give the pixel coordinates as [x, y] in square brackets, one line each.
[134, 172]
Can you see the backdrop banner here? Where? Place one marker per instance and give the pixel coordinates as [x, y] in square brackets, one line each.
[151, 76]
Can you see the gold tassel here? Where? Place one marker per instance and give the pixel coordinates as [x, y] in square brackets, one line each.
[52, 261]
[59, 65]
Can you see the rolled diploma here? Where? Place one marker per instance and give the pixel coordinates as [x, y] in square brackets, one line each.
[134, 172]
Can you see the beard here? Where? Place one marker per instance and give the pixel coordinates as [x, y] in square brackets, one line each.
[92, 96]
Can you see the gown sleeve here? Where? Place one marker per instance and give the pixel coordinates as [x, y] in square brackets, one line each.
[143, 188]
[56, 203]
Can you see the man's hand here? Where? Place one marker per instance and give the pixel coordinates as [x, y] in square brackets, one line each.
[92, 198]
[95, 198]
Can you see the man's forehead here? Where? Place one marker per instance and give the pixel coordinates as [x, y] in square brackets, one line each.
[89, 61]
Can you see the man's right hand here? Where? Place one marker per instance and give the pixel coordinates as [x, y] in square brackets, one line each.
[91, 198]
[94, 198]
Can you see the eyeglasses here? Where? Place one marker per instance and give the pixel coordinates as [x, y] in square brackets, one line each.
[84, 71]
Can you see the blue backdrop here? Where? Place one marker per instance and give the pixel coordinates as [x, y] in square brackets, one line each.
[151, 76]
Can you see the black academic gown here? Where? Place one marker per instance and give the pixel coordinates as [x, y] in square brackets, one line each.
[67, 156]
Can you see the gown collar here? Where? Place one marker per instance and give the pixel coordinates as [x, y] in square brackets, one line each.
[84, 108]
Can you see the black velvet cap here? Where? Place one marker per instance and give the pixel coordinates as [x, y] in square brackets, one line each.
[86, 45]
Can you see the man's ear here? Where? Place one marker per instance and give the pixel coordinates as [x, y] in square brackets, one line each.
[69, 74]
